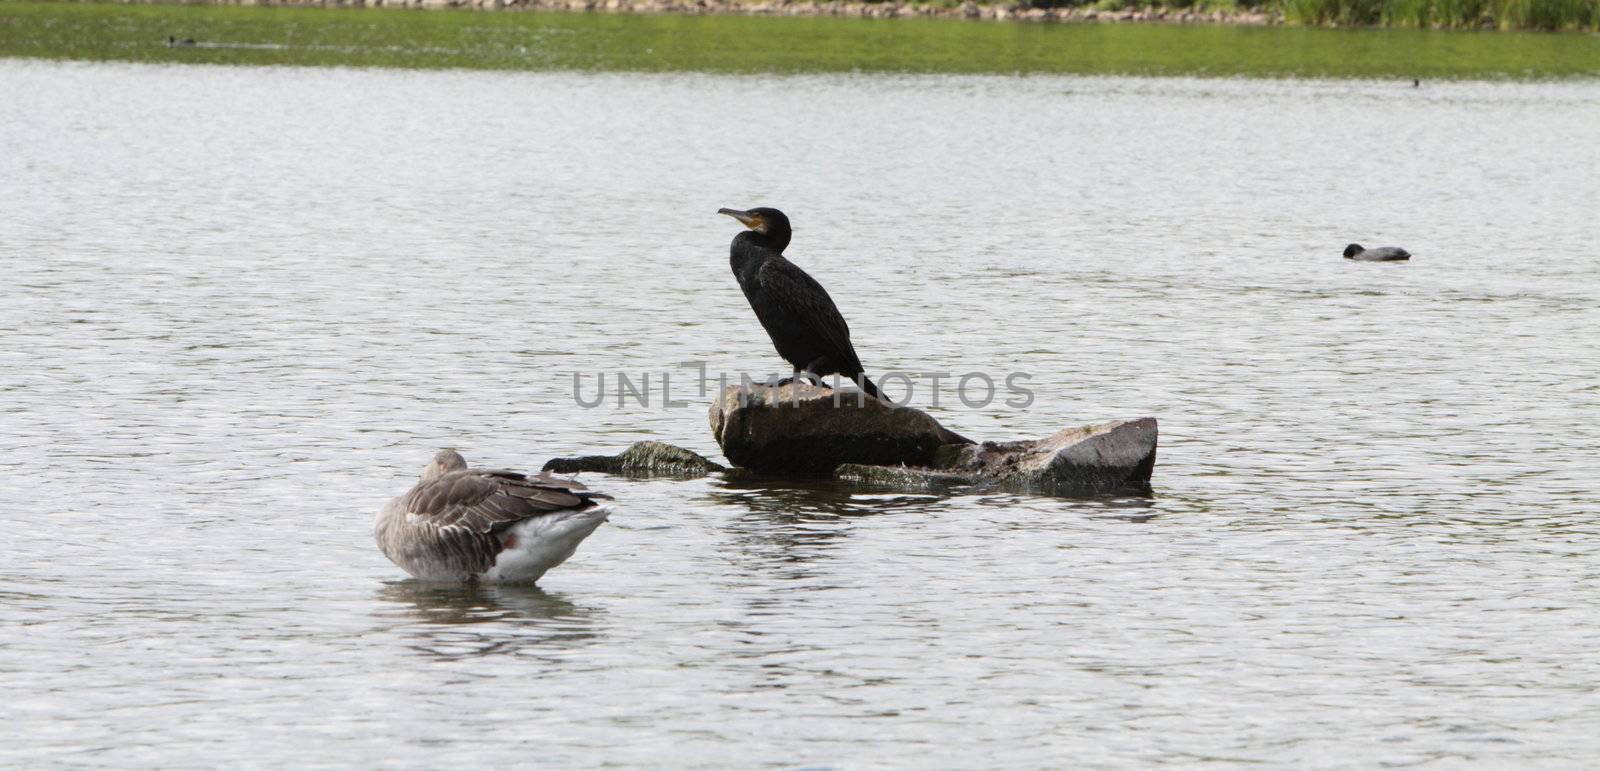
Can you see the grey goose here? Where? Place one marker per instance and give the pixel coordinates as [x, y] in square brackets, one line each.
[463, 524]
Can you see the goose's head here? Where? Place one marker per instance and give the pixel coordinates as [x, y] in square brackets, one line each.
[446, 461]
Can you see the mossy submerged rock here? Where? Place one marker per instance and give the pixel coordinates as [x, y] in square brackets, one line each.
[804, 428]
[779, 432]
[641, 458]
[1118, 456]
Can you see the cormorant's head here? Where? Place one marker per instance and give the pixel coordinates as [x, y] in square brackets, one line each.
[1353, 250]
[446, 461]
[770, 224]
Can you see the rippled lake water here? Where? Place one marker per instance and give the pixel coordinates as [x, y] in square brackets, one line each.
[243, 306]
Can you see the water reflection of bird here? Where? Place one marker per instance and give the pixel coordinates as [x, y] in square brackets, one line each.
[455, 604]
[464, 620]
[1381, 254]
[461, 524]
[804, 324]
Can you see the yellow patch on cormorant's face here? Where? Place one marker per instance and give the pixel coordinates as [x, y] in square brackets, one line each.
[756, 223]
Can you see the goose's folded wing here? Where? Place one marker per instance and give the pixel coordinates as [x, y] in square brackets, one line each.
[486, 501]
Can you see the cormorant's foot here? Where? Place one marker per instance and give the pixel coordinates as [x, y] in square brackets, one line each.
[806, 380]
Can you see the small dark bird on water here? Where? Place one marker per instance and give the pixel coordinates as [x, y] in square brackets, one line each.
[1381, 254]
[173, 42]
[804, 324]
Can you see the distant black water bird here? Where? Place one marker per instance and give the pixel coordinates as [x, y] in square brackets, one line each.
[804, 324]
[1380, 254]
[173, 42]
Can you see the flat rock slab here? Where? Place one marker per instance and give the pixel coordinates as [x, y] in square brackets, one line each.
[640, 459]
[1113, 457]
[811, 429]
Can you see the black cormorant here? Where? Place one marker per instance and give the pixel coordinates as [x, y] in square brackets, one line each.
[799, 316]
[1380, 254]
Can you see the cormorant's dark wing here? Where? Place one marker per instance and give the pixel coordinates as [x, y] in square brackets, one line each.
[804, 311]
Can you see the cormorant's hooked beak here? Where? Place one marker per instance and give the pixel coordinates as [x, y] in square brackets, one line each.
[750, 219]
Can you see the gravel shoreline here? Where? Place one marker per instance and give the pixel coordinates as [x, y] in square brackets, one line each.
[885, 10]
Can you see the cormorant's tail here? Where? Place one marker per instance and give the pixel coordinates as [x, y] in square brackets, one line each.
[867, 385]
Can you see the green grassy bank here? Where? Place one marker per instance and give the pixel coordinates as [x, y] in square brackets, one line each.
[744, 44]
[1448, 14]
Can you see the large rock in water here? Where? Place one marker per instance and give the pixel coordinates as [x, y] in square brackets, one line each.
[799, 427]
[1119, 456]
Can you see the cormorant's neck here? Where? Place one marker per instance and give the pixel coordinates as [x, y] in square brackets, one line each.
[775, 242]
